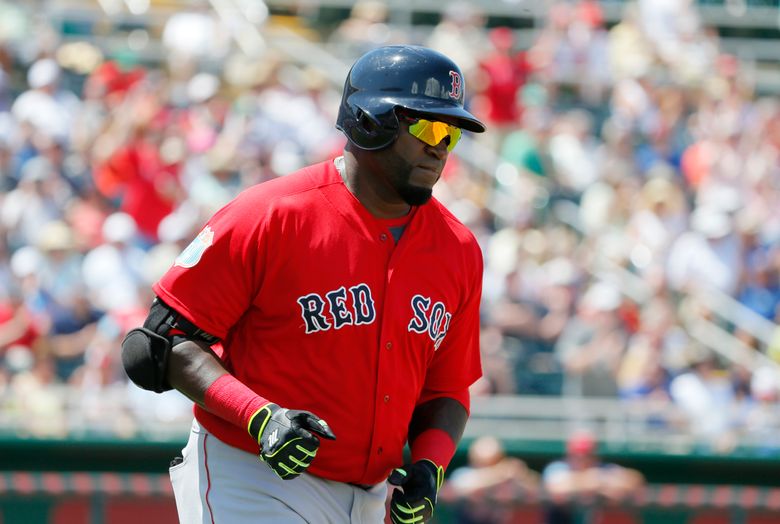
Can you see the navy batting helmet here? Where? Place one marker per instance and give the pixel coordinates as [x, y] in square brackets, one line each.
[400, 76]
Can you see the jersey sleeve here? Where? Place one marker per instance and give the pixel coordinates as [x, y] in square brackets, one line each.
[457, 364]
[214, 280]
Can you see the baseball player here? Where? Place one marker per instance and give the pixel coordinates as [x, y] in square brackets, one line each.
[326, 319]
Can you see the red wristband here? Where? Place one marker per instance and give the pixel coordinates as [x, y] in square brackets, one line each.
[435, 445]
[232, 400]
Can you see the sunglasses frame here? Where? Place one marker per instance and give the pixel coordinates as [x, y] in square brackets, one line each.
[453, 132]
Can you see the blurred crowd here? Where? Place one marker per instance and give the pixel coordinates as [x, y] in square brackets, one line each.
[494, 488]
[628, 166]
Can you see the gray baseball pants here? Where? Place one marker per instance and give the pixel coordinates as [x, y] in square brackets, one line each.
[219, 484]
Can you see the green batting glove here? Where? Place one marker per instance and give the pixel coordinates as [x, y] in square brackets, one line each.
[420, 483]
[288, 438]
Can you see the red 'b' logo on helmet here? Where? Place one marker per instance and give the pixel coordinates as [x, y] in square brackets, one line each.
[457, 84]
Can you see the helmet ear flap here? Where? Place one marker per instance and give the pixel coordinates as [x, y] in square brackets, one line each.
[367, 122]
[368, 131]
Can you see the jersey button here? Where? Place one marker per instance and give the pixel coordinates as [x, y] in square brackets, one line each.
[379, 451]
[383, 237]
[389, 345]
[387, 398]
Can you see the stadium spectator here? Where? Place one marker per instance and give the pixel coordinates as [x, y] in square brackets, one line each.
[18, 330]
[487, 489]
[704, 393]
[365, 28]
[60, 273]
[760, 416]
[198, 34]
[113, 270]
[708, 256]
[592, 344]
[73, 323]
[138, 159]
[659, 217]
[502, 74]
[571, 46]
[46, 106]
[573, 151]
[38, 404]
[631, 54]
[759, 281]
[37, 200]
[498, 365]
[461, 34]
[642, 371]
[582, 477]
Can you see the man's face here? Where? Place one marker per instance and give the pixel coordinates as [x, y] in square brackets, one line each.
[412, 167]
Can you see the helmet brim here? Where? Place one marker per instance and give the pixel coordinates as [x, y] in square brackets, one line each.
[453, 114]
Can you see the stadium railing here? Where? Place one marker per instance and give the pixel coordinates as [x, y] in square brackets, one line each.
[52, 497]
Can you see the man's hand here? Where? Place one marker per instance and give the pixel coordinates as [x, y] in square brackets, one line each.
[420, 483]
[287, 438]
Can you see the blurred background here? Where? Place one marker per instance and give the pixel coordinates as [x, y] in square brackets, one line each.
[626, 197]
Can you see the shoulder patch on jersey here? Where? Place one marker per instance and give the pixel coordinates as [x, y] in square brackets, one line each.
[193, 253]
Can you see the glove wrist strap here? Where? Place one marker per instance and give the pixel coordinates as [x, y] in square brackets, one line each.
[259, 420]
[437, 472]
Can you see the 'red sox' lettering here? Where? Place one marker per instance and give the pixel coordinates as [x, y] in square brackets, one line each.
[338, 312]
[435, 322]
[335, 310]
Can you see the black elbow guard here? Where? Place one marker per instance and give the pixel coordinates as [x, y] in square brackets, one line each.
[146, 350]
[145, 359]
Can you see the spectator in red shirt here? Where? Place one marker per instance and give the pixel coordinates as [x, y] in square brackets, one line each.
[131, 166]
[502, 73]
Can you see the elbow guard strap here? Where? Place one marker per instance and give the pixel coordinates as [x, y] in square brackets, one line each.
[146, 350]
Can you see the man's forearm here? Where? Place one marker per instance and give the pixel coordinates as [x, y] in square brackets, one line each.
[196, 371]
[444, 413]
[436, 428]
[192, 368]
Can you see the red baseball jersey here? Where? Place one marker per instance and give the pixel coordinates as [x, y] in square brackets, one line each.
[319, 309]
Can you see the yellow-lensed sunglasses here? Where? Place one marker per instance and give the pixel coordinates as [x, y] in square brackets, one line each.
[433, 132]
